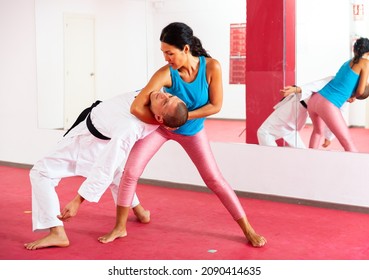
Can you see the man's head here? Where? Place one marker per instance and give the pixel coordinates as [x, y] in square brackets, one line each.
[168, 109]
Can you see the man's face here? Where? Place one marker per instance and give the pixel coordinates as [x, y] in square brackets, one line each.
[163, 104]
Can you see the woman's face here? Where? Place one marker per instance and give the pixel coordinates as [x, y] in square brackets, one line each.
[174, 56]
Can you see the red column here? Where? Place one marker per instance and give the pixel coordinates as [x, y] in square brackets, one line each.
[270, 58]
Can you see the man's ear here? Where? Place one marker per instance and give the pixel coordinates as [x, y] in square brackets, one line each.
[159, 118]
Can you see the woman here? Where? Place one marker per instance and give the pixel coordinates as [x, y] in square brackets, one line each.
[196, 78]
[349, 82]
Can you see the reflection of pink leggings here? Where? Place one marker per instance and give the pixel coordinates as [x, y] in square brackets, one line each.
[198, 149]
[323, 111]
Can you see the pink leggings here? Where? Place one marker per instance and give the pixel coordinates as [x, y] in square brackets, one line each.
[198, 149]
[323, 111]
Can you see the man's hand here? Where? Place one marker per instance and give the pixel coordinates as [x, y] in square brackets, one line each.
[71, 209]
[289, 90]
[170, 128]
[351, 99]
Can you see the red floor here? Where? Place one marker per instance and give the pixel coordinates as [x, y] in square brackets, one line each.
[185, 226]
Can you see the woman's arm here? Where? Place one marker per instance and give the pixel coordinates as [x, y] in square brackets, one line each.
[363, 81]
[141, 105]
[214, 78]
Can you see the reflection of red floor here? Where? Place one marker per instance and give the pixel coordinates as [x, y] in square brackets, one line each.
[234, 131]
[226, 130]
[359, 135]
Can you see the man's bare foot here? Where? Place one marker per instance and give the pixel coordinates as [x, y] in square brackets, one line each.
[142, 215]
[56, 238]
[111, 236]
[326, 143]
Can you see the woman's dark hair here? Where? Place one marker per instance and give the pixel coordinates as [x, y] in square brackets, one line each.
[179, 34]
[361, 46]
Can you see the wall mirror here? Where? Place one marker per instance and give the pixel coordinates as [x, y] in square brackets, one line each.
[323, 45]
[124, 50]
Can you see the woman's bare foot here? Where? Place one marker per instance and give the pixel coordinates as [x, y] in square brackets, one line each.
[56, 238]
[142, 215]
[111, 236]
[120, 228]
[255, 239]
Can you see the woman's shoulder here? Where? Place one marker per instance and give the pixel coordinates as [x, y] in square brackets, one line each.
[163, 69]
[361, 64]
[161, 77]
[212, 64]
[364, 62]
[162, 72]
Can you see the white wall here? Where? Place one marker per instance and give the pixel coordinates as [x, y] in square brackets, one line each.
[322, 39]
[325, 32]
[120, 50]
[318, 175]
[21, 141]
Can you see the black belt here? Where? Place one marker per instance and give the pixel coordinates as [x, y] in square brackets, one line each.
[93, 129]
[85, 115]
[303, 103]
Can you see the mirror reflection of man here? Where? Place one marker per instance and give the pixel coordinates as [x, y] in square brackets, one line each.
[290, 115]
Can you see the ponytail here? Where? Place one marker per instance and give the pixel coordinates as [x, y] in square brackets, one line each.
[179, 34]
[361, 46]
[197, 49]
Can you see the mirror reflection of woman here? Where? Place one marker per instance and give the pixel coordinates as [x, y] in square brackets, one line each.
[349, 82]
[191, 74]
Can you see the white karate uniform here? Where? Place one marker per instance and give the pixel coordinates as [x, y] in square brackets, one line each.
[289, 117]
[80, 153]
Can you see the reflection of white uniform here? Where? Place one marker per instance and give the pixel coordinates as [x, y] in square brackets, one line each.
[80, 153]
[289, 117]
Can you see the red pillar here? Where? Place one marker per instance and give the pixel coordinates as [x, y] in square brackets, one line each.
[270, 58]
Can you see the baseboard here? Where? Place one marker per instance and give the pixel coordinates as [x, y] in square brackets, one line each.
[17, 165]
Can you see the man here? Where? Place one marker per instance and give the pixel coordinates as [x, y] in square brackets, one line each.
[95, 148]
[290, 115]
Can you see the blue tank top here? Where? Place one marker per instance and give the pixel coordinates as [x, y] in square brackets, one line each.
[195, 94]
[342, 86]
